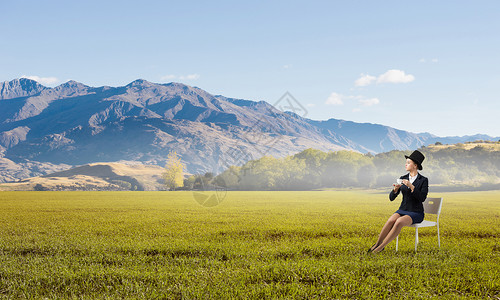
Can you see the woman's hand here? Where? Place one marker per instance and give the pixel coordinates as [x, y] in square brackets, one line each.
[396, 187]
[408, 184]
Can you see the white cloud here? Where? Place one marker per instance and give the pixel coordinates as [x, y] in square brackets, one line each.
[365, 80]
[391, 76]
[395, 76]
[190, 77]
[42, 80]
[435, 60]
[287, 66]
[310, 105]
[180, 77]
[338, 99]
[334, 99]
[369, 102]
[422, 60]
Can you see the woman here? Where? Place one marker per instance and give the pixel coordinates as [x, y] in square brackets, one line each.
[414, 188]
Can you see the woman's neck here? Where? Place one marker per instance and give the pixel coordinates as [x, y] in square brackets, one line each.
[413, 173]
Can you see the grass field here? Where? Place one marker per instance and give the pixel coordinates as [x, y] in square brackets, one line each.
[301, 245]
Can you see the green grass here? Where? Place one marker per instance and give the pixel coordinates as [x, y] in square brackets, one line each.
[302, 245]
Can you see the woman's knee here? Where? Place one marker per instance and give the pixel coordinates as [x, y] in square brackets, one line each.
[403, 221]
[392, 219]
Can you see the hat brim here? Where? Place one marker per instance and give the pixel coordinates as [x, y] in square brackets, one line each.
[419, 166]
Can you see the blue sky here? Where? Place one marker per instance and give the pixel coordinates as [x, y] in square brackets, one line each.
[421, 66]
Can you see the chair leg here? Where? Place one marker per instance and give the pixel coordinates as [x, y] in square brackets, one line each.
[439, 238]
[397, 242]
[416, 238]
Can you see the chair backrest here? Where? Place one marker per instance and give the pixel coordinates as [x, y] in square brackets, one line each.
[433, 205]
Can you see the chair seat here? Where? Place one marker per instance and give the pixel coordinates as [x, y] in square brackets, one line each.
[424, 223]
[431, 206]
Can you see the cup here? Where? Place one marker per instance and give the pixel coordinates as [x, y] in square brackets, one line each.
[399, 181]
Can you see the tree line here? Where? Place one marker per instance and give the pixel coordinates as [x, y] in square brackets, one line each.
[472, 164]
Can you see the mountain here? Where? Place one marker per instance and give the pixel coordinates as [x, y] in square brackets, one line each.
[372, 138]
[75, 124]
[21, 87]
[376, 138]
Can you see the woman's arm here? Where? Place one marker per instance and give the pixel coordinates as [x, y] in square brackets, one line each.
[394, 192]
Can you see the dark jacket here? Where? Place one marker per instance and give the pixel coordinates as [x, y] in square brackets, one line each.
[412, 201]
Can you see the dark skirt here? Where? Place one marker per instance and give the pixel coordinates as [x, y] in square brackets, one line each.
[417, 217]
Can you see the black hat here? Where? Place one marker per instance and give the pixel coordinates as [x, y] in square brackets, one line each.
[417, 158]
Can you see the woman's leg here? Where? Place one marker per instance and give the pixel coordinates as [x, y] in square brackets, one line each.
[394, 232]
[386, 229]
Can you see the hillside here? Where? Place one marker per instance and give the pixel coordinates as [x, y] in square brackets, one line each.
[486, 145]
[97, 176]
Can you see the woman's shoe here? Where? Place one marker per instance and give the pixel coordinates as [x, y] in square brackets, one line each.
[370, 249]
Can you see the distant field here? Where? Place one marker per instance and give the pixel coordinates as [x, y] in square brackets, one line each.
[91, 245]
[492, 146]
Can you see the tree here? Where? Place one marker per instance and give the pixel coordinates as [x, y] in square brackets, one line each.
[261, 173]
[292, 175]
[202, 182]
[230, 178]
[189, 182]
[174, 171]
[39, 187]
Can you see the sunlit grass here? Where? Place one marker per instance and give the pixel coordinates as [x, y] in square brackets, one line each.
[252, 245]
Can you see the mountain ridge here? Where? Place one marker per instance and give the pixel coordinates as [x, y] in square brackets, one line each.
[21, 87]
[75, 124]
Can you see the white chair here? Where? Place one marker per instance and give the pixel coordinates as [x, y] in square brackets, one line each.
[431, 206]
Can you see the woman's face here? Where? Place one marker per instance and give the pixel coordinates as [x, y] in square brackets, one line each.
[410, 165]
